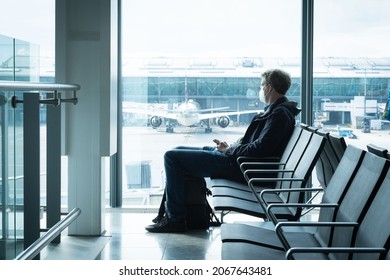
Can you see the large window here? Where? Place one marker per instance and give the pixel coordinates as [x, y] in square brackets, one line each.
[352, 70]
[209, 52]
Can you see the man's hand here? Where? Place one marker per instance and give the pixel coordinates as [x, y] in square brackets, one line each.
[221, 146]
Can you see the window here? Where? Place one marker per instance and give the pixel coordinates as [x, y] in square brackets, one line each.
[208, 52]
[352, 70]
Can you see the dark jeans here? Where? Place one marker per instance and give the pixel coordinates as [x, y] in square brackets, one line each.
[194, 161]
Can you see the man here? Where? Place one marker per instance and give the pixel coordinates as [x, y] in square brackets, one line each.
[267, 135]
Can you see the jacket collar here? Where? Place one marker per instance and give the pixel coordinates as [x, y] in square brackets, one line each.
[270, 107]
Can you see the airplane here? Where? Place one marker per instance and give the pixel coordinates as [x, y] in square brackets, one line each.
[188, 114]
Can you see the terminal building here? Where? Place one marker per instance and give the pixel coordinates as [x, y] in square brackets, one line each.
[234, 82]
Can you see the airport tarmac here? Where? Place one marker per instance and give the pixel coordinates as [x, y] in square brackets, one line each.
[143, 152]
[380, 138]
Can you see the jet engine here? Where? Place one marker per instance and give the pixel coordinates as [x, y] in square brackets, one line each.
[223, 121]
[155, 121]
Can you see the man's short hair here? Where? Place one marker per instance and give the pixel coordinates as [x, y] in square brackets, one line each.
[278, 79]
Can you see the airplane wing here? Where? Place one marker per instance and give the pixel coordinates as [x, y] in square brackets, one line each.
[172, 115]
[184, 115]
[212, 109]
[225, 114]
[151, 112]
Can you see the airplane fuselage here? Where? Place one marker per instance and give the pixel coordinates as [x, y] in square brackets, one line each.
[187, 114]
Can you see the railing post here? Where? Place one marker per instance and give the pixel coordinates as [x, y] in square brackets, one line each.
[53, 163]
[31, 167]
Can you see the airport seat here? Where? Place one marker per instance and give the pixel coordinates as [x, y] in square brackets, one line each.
[335, 229]
[282, 163]
[298, 176]
[224, 187]
[227, 188]
[327, 162]
[370, 235]
[379, 151]
[329, 157]
[263, 233]
[339, 145]
[305, 126]
[260, 163]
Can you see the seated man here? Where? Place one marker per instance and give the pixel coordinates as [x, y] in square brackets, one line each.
[267, 135]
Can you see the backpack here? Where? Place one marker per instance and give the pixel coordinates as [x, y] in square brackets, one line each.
[199, 214]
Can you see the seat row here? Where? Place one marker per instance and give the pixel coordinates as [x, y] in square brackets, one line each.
[353, 213]
[292, 170]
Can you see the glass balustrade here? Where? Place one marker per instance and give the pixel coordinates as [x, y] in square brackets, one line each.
[18, 62]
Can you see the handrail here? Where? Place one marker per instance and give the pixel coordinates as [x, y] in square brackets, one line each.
[35, 87]
[45, 239]
[29, 86]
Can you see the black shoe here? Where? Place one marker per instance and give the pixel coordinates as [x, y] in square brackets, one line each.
[165, 226]
[158, 219]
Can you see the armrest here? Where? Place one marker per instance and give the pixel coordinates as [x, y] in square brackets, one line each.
[253, 181]
[326, 250]
[270, 163]
[288, 190]
[269, 171]
[260, 164]
[293, 190]
[242, 159]
[264, 171]
[283, 239]
[274, 180]
[272, 217]
[317, 224]
[270, 180]
[264, 202]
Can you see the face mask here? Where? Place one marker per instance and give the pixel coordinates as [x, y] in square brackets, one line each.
[262, 96]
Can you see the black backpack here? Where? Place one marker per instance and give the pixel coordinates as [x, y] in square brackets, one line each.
[199, 214]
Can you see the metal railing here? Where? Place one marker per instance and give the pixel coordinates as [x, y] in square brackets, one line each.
[29, 86]
[32, 100]
[35, 248]
[46, 87]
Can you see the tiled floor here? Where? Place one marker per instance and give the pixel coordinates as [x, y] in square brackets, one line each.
[129, 240]
[126, 239]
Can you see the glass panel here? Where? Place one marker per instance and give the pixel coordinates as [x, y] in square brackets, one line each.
[352, 70]
[210, 52]
[19, 61]
[6, 160]
[26, 61]
[11, 206]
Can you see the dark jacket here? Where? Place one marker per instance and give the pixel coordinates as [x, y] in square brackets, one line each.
[269, 132]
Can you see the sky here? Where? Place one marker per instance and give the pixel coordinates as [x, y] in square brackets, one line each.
[256, 27]
[30, 20]
[222, 27]
[352, 28]
[209, 28]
